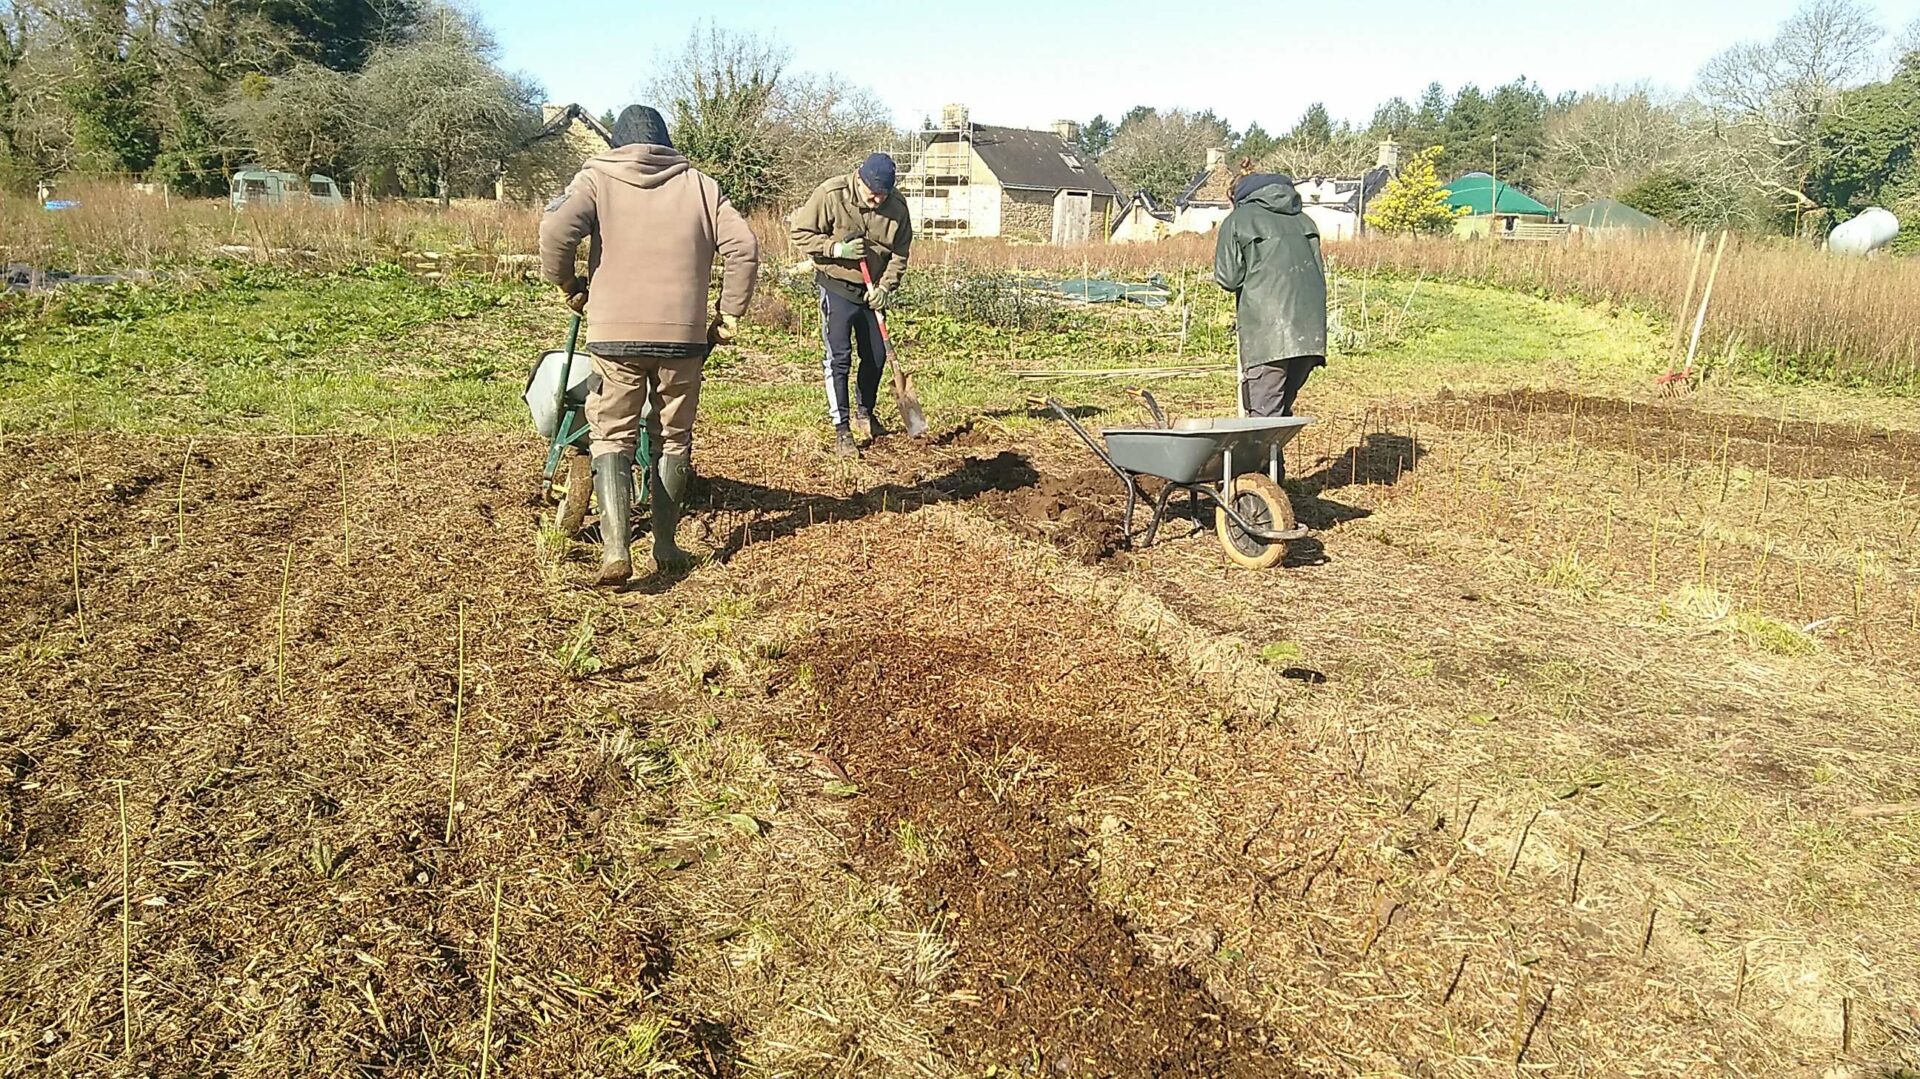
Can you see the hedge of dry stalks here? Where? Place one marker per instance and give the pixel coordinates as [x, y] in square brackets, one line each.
[1795, 311]
[1801, 312]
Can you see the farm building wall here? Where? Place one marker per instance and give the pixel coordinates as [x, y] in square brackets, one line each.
[1138, 226]
[1027, 215]
[544, 169]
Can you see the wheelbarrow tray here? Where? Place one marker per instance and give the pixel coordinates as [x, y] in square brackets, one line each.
[1190, 448]
[545, 401]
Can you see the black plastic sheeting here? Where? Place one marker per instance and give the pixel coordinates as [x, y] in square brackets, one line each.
[18, 277]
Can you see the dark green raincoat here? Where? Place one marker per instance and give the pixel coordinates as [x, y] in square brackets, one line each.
[1268, 256]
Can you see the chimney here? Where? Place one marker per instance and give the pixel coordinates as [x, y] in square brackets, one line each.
[1216, 157]
[1068, 130]
[1389, 155]
[953, 117]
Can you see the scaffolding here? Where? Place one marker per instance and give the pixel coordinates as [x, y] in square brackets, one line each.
[935, 175]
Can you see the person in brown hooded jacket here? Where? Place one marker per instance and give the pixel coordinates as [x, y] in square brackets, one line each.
[656, 223]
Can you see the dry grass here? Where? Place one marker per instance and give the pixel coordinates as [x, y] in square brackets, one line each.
[1377, 871]
[116, 228]
[1187, 252]
[1787, 308]
[1687, 749]
[1797, 310]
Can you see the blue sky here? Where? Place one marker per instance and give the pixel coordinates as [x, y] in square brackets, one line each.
[1026, 63]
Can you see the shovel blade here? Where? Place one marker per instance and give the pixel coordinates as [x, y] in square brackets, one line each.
[912, 419]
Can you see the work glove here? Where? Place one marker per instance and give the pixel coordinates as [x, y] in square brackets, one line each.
[855, 248]
[578, 300]
[878, 297]
[723, 329]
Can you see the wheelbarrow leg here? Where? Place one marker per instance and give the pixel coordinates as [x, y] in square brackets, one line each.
[1134, 494]
[1159, 511]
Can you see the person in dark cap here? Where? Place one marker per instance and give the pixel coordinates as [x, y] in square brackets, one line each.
[850, 220]
[656, 223]
[1268, 256]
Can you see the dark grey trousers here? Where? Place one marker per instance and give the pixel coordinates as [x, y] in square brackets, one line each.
[1273, 387]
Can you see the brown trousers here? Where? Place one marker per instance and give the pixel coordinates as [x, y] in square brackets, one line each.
[613, 410]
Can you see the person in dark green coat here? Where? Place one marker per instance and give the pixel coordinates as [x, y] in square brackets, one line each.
[1268, 256]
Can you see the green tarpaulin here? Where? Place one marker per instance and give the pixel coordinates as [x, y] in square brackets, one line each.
[1151, 293]
[1608, 214]
[1475, 192]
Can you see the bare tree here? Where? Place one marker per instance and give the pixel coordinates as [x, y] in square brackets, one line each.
[1340, 152]
[1606, 141]
[1767, 98]
[439, 108]
[824, 126]
[1161, 152]
[1908, 43]
[36, 125]
[301, 121]
[766, 134]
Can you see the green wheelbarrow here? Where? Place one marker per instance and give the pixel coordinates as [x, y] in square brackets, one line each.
[556, 397]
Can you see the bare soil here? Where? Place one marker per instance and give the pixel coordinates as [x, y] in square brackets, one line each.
[1419, 804]
[1674, 431]
[294, 895]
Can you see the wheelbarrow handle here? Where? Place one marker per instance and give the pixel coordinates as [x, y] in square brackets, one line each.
[566, 373]
[1145, 397]
[1098, 451]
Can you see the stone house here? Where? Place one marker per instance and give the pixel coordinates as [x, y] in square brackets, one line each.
[1207, 200]
[546, 162]
[966, 179]
[1337, 205]
[1141, 220]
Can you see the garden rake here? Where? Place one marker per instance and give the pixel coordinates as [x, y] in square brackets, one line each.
[1675, 383]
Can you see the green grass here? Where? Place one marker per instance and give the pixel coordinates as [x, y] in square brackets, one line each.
[376, 351]
[1771, 634]
[272, 353]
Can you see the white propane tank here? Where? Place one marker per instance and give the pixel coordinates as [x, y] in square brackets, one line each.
[1872, 230]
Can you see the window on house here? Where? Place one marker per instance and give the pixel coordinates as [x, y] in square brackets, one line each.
[1073, 162]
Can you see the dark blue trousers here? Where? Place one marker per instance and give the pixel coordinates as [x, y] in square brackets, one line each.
[848, 324]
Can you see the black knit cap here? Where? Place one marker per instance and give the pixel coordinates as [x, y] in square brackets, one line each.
[641, 124]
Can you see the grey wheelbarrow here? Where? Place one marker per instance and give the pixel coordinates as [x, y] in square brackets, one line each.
[1252, 517]
[556, 397]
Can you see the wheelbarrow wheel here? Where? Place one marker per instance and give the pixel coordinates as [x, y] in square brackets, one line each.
[570, 516]
[1261, 503]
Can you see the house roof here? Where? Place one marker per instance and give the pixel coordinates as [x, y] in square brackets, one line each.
[1342, 192]
[564, 119]
[1037, 161]
[1141, 202]
[1608, 214]
[1474, 191]
[1211, 187]
[1146, 201]
[1214, 187]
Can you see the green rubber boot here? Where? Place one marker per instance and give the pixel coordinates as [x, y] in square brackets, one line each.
[671, 476]
[613, 486]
